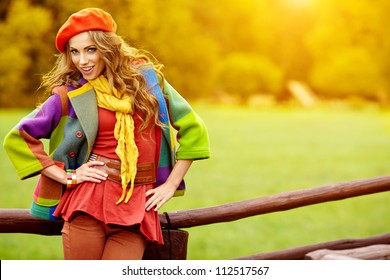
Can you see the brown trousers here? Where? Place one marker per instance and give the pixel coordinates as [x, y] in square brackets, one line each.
[85, 238]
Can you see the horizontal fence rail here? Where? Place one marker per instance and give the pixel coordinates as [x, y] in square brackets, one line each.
[300, 253]
[373, 252]
[19, 220]
[274, 203]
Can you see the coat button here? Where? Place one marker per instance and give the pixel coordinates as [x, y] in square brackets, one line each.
[72, 154]
[79, 134]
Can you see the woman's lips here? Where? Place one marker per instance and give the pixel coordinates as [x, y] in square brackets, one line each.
[86, 69]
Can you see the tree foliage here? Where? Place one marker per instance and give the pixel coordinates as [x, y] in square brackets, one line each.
[21, 37]
[244, 75]
[350, 48]
[340, 48]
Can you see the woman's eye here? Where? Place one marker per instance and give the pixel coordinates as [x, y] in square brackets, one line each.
[91, 49]
[74, 51]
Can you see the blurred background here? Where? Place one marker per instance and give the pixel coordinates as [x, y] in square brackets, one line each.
[295, 94]
[245, 51]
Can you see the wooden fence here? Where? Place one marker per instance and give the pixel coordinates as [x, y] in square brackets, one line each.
[175, 247]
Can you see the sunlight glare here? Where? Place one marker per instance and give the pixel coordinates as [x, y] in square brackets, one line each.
[298, 2]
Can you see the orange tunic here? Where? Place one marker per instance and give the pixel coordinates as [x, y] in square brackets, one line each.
[98, 199]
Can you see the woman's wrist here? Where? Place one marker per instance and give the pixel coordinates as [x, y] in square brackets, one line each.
[71, 178]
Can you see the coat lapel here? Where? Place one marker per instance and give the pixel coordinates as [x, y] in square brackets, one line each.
[84, 104]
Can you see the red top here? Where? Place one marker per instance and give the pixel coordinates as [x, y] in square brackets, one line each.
[98, 199]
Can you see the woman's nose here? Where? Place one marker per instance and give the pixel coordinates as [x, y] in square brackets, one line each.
[83, 59]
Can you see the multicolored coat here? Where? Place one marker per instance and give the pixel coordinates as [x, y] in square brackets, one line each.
[69, 119]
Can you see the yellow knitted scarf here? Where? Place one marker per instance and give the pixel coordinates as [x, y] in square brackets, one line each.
[124, 131]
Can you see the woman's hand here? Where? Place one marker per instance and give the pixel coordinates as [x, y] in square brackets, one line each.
[87, 173]
[161, 194]
[84, 173]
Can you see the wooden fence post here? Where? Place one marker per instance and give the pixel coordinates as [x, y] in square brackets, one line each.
[174, 248]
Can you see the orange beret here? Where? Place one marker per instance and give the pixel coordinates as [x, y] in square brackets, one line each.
[84, 20]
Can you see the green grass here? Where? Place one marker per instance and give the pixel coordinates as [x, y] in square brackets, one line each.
[257, 152]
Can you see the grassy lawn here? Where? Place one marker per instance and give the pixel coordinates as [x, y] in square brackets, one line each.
[256, 152]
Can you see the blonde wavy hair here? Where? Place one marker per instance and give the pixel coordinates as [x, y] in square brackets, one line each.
[120, 72]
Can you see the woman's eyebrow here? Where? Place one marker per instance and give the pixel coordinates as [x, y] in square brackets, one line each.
[87, 47]
[90, 46]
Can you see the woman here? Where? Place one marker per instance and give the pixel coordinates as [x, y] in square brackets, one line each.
[111, 148]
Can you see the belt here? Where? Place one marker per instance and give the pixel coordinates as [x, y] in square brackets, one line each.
[146, 172]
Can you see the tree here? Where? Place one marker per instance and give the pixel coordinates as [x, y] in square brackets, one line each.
[350, 47]
[22, 36]
[349, 72]
[168, 30]
[244, 75]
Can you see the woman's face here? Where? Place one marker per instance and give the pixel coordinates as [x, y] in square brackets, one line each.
[85, 56]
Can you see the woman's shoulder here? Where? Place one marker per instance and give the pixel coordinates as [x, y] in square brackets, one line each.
[60, 90]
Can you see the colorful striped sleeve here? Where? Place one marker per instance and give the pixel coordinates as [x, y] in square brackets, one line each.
[23, 145]
[192, 134]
